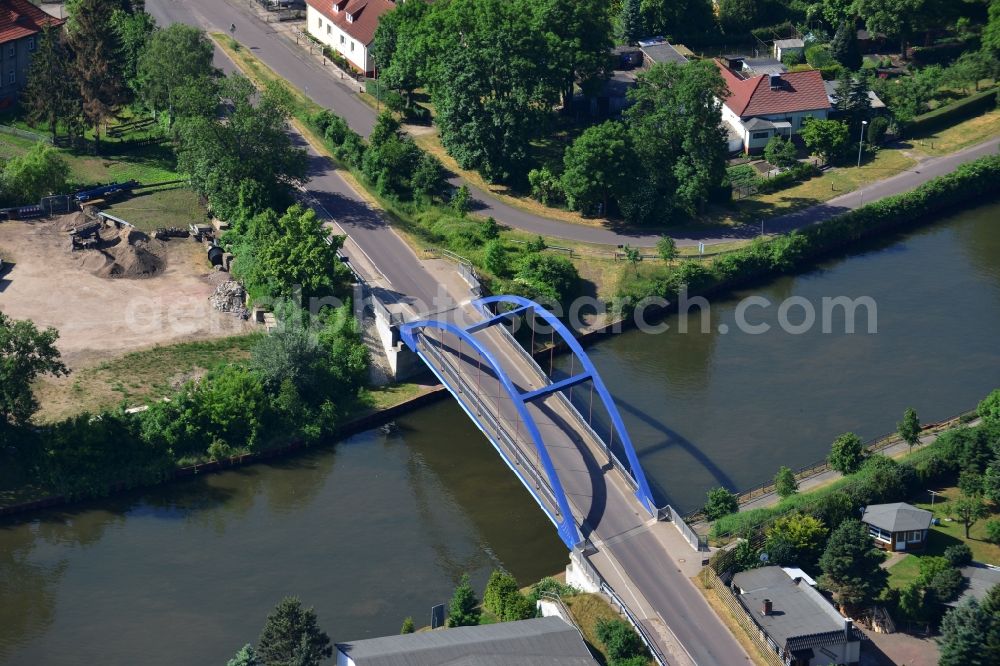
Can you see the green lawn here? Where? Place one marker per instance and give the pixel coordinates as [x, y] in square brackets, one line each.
[947, 533]
[137, 378]
[163, 207]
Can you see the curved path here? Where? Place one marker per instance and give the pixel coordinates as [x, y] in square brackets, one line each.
[323, 85]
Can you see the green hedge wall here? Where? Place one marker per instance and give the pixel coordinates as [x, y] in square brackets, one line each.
[952, 113]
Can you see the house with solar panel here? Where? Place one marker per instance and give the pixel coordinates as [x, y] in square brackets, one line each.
[759, 106]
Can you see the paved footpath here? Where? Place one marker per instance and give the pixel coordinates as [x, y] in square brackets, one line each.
[324, 85]
[823, 478]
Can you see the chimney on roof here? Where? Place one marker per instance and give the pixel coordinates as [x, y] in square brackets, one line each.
[767, 607]
[848, 628]
[797, 579]
[775, 81]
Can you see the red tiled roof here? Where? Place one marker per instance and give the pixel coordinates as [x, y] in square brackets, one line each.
[366, 14]
[799, 91]
[20, 18]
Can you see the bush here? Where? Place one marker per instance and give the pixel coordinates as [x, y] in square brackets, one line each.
[993, 531]
[950, 114]
[547, 275]
[720, 502]
[619, 639]
[958, 555]
[847, 453]
[819, 56]
[877, 129]
[546, 187]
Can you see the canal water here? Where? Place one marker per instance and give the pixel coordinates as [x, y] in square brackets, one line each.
[382, 525]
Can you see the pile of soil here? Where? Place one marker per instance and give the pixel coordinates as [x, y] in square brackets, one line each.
[124, 253]
[73, 221]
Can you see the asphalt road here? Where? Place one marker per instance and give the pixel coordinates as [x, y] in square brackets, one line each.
[607, 512]
[317, 81]
[402, 277]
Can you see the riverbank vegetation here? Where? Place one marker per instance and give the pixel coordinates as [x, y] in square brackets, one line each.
[969, 184]
[819, 531]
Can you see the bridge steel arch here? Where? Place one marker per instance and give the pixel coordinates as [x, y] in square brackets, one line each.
[643, 492]
[564, 521]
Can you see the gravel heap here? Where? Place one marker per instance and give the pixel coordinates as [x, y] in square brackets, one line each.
[230, 296]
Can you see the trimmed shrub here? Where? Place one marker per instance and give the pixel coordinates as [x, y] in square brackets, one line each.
[958, 555]
[952, 113]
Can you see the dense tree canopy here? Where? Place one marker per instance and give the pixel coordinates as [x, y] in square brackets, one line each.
[175, 73]
[252, 145]
[39, 172]
[52, 95]
[675, 126]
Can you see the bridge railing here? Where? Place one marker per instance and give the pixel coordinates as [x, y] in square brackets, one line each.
[509, 442]
[695, 540]
[588, 429]
[591, 572]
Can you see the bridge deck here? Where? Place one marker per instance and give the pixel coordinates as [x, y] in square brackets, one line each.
[604, 507]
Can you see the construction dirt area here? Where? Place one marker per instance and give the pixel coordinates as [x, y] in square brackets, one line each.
[109, 290]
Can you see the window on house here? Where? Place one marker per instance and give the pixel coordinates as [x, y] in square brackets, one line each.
[914, 537]
[12, 77]
[352, 45]
[342, 39]
[761, 135]
[881, 535]
[31, 43]
[319, 21]
[328, 28]
[10, 50]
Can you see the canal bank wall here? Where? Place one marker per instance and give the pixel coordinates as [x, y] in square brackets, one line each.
[355, 426]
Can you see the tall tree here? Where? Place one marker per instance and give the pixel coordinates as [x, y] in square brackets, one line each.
[844, 47]
[784, 482]
[847, 453]
[463, 611]
[578, 40]
[675, 127]
[737, 16]
[25, 354]
[598, 165]
[850, 566]
[176, 60]
[909, 428]
[991, 33]
[133, 31]
[397, 46]
[678, 17]
[96, 65]
[52, 95]
[489, 78]
[853, 101]
[250, 146]
[291, 637]
[630, 22]
[968, 509]
[963, 630]
[893, 18]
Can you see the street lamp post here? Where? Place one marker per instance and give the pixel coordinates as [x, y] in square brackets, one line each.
[861, 141]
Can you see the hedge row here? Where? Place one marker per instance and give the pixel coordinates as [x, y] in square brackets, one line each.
[952, 113]
[969, 184]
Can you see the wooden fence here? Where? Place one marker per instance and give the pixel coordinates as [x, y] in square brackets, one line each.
[767, 652]
[25, 134]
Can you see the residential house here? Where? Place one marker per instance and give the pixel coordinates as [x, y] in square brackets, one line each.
[795, 620]
[897, 526]
[21, 24]
[785, 47]
[347, 27]
[762, 106]
[542, 641]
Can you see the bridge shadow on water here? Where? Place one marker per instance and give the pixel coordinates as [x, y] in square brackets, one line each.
[595, 471]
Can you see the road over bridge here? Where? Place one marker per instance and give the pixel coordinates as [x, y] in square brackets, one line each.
[592, 487]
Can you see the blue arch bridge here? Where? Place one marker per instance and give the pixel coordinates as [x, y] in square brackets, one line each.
[592, 488]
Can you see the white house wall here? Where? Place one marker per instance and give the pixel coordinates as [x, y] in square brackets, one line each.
[750, 143]
[331, 35]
